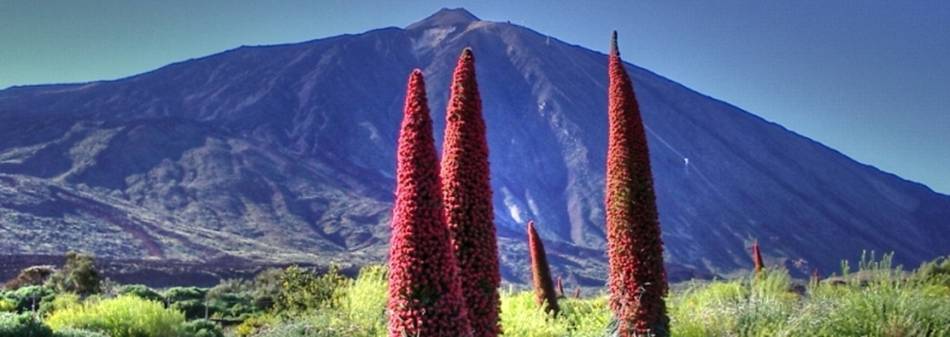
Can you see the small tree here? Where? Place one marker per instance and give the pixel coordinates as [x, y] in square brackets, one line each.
[78, 275]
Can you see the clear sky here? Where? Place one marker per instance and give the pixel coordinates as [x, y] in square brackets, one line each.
[869, 78]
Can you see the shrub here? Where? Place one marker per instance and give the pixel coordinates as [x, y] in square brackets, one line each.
[141, 291]
[758, 305]
[231, 299]
[124, 316]
[31, 298]
[31, 276]
[364, 301]
[7, 305]
[267, 288]
[188, 300]
[301, 290]
[79, 275]
[69, 332]
[202, 328]
[254, 324]
[22, 325]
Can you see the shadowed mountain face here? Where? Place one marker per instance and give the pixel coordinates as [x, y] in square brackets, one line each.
[286, 153]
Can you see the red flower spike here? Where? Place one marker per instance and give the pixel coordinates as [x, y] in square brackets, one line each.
[560, 287]
[541, 273]
[425, 297]
[635, 250]
[757, 257]
[468, 199]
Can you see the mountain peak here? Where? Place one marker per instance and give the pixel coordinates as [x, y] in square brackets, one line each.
[446, 17]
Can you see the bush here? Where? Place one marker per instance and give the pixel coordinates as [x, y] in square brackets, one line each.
[7, 305]
[79, 275]
[231, 300]
[125, 316]
[364, 300]
[255, 324]
[189, 300]
[267, 288]
[22, 325]
[69, 332]
[302, 290]
[203, 328]
[31, 276]
[141, 291]
[31, 298]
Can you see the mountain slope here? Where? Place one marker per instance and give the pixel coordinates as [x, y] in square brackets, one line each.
[286, 152]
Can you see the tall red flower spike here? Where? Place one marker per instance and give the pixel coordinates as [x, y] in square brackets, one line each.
[560, 287]
[635, 249]
[541, 273]
[757, 257]
[425, 297]
[468, 200]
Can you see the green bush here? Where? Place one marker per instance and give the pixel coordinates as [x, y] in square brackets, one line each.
[189, 300]
[364, 300]
[141, 291]
[69, 332]
[124, 316]
[22, 325]
[7, 305]
[301, 290]
[231, 300]
[31, 298]
[267, 288]
[202, 328]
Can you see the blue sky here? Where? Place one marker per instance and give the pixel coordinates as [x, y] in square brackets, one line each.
[869, 78]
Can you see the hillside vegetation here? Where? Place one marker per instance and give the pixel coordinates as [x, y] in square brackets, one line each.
[877, 299]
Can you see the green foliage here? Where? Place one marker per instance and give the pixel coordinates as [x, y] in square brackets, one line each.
[22, 325]
[364, 301]
[202, 328]
[231, 300]
[188, 300]
[877, 300]
[755, 306]
[522, 317]
[255, 324]
[302, 290]
[936, 272]
[78, 275]
[124, 316]
[267, 288]
[69, 332]
[141, 291]
[7, 305]
[30, 299]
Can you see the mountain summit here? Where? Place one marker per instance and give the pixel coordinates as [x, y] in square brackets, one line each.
[287, 153]
[446, 17]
